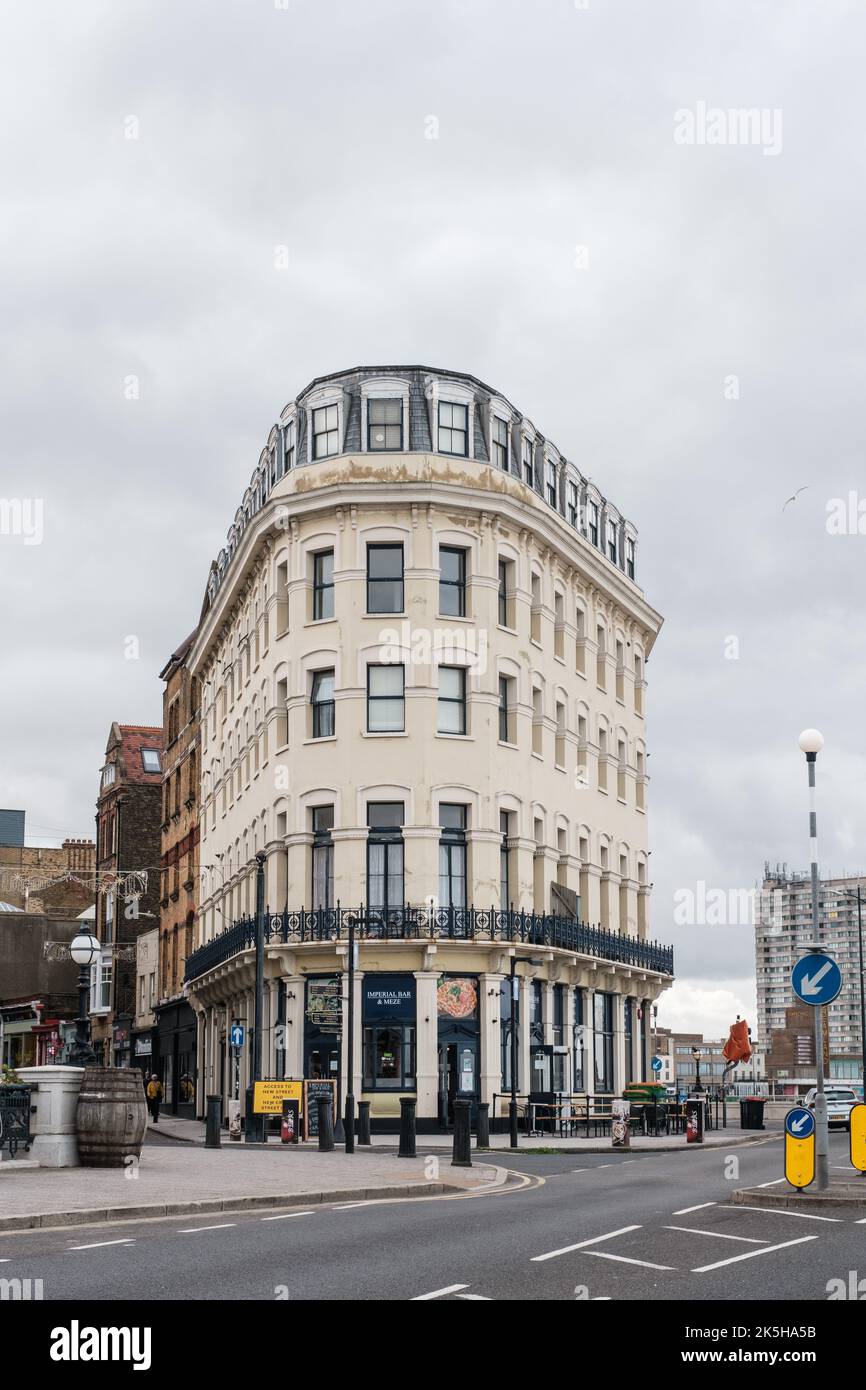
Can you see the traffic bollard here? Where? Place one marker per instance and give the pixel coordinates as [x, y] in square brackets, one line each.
[482, 1132]
[461, 1156]
[407, 1127]
[213, 1138]
[364, 1122]
[326, 1124]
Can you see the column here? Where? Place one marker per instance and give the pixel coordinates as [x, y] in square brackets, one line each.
[588, 1040]
[421, 860]
[427, 1044]
[295, 1003]
[524, 1070]
[490, 1063]
[590, 911]
[618, 1043]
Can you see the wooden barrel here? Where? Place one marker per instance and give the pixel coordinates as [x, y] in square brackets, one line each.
[112, 1116]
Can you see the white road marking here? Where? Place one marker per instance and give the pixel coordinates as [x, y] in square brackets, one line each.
[582, 1244]
[438, 1293]
[624, 1259]
[287, 1216]
[750, 1254]
[721, 1235]
[350, 1206]
[194, 1230]
[475, 1297]
[580, 1170]
[684, 1211]
[774, 1183]
[97, 1243]
[602, 1298]
[783, 1211]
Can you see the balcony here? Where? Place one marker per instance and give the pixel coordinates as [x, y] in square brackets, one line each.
[511, 928]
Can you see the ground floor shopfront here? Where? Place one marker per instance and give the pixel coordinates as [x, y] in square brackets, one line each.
[432, 1021]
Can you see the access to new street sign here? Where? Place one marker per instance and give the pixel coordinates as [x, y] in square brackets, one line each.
[816, 978]
[800, 1147]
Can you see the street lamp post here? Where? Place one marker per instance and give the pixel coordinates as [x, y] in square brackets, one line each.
[255, 1126]
[349, 1124]
[811, 742]
[697, 1054]
[515, 993]
[84, 950]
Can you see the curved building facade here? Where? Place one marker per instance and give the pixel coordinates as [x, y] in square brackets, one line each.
[422, 668]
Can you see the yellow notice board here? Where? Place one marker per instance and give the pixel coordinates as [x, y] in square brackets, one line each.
[268, 1096]
[858, 1137]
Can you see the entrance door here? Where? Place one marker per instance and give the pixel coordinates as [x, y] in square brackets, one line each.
[458, 1075]
[322, 1062]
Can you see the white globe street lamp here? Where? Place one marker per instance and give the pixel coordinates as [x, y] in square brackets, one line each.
[84, 950]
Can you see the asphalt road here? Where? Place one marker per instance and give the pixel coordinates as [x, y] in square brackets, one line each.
[623, 1227]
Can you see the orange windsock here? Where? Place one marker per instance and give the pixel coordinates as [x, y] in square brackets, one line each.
[738, 1048]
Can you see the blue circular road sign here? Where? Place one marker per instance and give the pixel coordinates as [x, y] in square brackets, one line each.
[657, 1064]
[800, 1123]
[816, 978]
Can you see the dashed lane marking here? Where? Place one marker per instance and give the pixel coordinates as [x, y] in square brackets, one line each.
[287, 1216]
[751, 1254]
[624, 1259]
[438, 1293]
[582, 1244]
[95, 1245]
[720, 1235]
[684, 1211]
[783, 1211]
[194, 1230]
[775, 1182]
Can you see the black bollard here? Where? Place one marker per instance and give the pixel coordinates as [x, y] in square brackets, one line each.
[364, 1122]
[482, 1133]
[407, 1127]
[213, 1138]
[461, 1156]
[326, 1124]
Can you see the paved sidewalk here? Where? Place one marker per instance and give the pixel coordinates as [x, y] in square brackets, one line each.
[174, 1178]
[193, 1131]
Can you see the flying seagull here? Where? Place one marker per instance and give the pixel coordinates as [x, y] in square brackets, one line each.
[796, 495]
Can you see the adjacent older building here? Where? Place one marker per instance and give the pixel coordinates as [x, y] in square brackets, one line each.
[175, 1020]
[128, 817]
[422, 659]
[38, 986]
[47, 880]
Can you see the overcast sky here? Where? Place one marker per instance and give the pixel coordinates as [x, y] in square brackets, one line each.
[684, 319]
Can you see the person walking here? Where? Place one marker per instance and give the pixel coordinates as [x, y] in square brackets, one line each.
[154, 1096]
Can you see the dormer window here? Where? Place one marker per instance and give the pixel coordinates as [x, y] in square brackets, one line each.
[526, 450]
[499, 443]
[629, 557]
[453, 429]
[150, 760]
[572, 504]
[384, 424]
[108, 773]
[593, 522]
[325, 431]
[611, 541]
[289, 445]
[551, 482]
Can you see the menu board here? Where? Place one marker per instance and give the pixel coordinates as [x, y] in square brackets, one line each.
[312, 1091]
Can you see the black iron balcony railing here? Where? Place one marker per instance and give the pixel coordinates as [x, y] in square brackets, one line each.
[426, 924]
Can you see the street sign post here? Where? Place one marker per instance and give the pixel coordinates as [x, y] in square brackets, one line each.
[816, 979]
[800, 1147]
[857, 1137]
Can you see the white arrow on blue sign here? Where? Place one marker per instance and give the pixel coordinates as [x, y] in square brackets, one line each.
[816, 978]
[800, 1123]
[237, 1035]
[657, 1064]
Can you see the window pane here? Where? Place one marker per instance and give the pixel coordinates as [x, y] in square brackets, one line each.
[386, 717]
[385, 561]
[386, 680]
[451, 682]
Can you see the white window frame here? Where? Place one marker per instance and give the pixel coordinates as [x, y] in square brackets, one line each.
[385, 389]
[451, 393]
[320, 400]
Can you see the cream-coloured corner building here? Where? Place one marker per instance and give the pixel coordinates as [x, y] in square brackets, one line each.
[422, 660]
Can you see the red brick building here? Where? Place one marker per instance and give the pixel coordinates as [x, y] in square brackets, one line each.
[128, 816]
[175, 1051]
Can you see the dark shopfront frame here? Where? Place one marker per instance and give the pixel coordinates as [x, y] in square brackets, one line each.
[389, 1034]
[176, 1060]
[455, 1037]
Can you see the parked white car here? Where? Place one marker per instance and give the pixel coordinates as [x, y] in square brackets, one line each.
[840, 1099]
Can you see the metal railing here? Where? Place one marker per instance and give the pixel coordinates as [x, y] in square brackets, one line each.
[15, 1105]
[426, 924]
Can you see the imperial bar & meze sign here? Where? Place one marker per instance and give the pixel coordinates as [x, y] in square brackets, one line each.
[390, 997]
